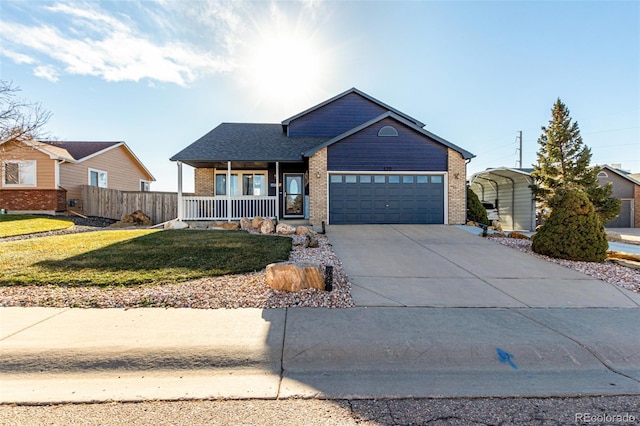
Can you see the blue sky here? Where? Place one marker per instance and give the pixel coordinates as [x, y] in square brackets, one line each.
[160, 74]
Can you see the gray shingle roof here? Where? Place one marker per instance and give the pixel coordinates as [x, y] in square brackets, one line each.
[247, 142]
[81, 149]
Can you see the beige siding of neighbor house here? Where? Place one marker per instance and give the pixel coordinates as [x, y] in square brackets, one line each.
[45, 166]
[123, 172]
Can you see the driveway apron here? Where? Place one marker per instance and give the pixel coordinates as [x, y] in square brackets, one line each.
[443, 266]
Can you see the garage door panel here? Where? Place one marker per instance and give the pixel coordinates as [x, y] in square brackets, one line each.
[386, 199]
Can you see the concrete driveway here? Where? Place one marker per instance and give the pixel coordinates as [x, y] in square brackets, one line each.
[443, 266]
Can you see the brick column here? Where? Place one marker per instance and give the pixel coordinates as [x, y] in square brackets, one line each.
[457, 167]
[204, 182]
[318, 195]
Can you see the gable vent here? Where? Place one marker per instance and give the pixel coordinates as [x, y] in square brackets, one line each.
[388, 131]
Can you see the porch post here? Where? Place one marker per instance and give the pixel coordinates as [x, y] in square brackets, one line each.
[228, 191]
[277, 190]
[180, 203]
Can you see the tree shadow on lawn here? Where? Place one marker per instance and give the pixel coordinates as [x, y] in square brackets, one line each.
[171, 256]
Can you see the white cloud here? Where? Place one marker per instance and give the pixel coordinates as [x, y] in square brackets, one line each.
[47, 72]
[18, 58]
[159, 41]
[100, 44]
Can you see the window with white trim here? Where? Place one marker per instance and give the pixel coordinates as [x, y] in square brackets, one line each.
[145, 186]
[242, 183]
[97, 178]
[19, 173]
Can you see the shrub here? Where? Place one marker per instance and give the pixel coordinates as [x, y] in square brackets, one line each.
[573, 231]
[475, 211]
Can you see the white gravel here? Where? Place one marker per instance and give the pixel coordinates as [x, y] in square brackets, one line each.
[230, 291]
[608, 271]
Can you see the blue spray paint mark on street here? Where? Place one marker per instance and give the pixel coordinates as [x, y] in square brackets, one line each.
[506, 358]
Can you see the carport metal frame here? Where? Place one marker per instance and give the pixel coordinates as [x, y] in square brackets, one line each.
[500, 172]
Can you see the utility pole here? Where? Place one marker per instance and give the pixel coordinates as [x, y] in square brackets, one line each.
[520, 150]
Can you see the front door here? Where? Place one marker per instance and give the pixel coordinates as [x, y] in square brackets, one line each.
[293, 195]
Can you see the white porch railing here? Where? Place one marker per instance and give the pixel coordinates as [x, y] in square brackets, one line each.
[225, 208]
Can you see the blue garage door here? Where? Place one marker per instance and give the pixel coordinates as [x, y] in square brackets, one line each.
[370, 198]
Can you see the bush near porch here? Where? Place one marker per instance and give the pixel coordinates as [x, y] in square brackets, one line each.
[130, 257]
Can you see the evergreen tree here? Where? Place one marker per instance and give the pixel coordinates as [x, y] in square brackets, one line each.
[573, 230]
[564, 164]
[475, 211]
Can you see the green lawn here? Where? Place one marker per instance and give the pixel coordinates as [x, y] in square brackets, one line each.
[12, 225]
[127, 257]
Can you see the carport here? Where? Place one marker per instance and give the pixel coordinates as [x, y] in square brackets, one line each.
[508, 190]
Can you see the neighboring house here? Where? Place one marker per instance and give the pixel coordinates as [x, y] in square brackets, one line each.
[47, 176]
[507, 189]
[350, 159]
[627, 189]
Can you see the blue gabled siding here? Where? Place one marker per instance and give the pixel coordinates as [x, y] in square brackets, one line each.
[366, 151]
[336, 118]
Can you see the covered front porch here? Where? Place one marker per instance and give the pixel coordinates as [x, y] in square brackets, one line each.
[233, 190]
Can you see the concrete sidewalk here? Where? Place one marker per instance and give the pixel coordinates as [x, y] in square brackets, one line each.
[81, 355]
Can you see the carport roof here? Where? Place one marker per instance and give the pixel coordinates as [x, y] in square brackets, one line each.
[504, 172]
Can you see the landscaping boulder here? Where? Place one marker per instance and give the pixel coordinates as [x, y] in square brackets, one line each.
[230, 226]
[292, 276]
[267, 226]
[137, 218]
[176, 224]
[310, 241]
[302, 230]
[245, 224]
[518, 236]
[256, 222]
[285, 229]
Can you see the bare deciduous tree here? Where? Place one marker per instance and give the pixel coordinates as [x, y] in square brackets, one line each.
[20, 121]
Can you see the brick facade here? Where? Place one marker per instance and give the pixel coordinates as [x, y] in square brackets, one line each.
[318, 191]
[31, 200]
[457, 167]
[204, 182]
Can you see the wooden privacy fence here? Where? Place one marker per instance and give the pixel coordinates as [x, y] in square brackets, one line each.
[114, 204]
